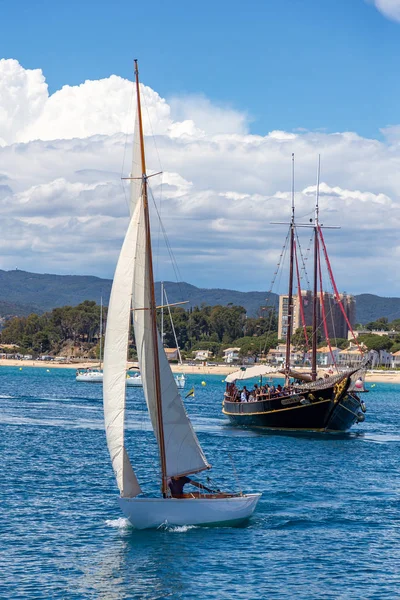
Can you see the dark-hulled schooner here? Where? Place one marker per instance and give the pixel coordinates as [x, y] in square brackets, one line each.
[329, 404]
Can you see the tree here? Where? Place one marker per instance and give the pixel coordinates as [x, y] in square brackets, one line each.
[255, 346]
[376, 342]
[380, 324]
[341, 343]
[395, 324]
[299, 338]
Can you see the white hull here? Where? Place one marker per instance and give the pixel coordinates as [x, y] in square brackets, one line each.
[150, 513]
[136, 381]
[90, 377]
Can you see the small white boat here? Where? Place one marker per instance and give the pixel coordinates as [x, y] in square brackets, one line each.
[180, 381]
[179, 450]
[136, 381]
[89, 376]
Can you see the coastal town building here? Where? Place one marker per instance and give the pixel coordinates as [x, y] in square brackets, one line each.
[231, 355]
[171, 353]
[326, 357]
[276, 356]
[296, 317]
[202, 354]
[391, 334]
[335, 321]
[396, 360]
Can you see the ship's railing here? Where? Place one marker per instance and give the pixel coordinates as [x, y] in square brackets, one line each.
[326, 382]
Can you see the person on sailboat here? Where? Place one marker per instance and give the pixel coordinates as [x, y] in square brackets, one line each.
[176, 485]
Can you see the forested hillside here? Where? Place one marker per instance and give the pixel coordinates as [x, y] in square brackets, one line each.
[23, 293]
[75, 331]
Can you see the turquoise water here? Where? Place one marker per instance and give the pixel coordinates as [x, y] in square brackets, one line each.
[327, 525]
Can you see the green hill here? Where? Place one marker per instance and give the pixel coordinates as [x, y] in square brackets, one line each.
[24, 292]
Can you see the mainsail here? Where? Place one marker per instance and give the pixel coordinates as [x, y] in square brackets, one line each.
[182, 450]
[115, 353]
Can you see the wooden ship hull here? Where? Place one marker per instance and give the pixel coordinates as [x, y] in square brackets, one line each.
[323, 406]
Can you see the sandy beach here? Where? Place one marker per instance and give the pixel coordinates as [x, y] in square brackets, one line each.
[372, 376]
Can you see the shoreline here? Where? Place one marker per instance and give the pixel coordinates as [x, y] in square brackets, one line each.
[371, 376]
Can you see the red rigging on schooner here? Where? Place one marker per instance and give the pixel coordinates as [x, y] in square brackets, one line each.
[305, 402]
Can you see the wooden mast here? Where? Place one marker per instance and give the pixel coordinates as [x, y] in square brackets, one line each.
[290, 292]
[101, 328]
[152, 299]
[315, 286]
[162, 314]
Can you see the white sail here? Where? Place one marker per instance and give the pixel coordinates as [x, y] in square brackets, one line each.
[182, 449]
[115, 353]
[136, 170]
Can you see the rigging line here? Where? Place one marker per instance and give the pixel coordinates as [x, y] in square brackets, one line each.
[126, 141]
[322, 302]
[303, 271]
[168, 245]
[144, 102]
[282, 258]
[331, 313]
[303, 267]
[157, 252]
[283, 252]
[282, 255]
[300, 298]
[336, 290]
[278, 267]
[331, 306]
[172, 326]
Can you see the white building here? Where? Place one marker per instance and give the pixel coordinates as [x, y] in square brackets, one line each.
[391, 334]
[231, 355]
[172, 353]
[352, 357]
[277, 356]
[385, 358]
[202, 354]
[324, 356]
[396, 360]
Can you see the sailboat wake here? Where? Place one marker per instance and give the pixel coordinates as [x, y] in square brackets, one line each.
[176, 528]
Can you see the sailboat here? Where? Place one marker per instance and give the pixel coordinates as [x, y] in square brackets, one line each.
[179, 450]
[308, 402]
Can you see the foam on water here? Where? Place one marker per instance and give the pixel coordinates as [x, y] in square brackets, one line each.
[120, 523]
[177, 528]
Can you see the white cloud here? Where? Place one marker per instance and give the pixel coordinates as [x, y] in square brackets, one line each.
[207, 116]
[64, 208]
[389, 8]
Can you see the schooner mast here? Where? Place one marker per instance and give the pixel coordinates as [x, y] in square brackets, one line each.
[290, 291]
[152, 307]
[315, 282]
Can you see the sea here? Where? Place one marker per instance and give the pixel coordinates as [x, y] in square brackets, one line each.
[327, 525]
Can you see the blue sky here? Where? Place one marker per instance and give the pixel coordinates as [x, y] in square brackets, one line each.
[289, 64]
